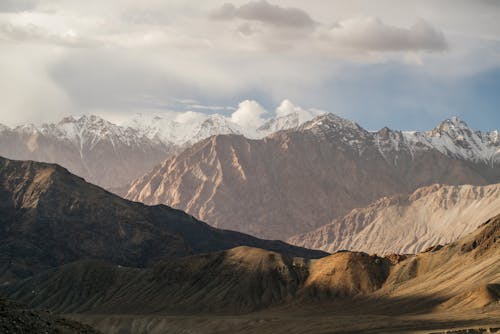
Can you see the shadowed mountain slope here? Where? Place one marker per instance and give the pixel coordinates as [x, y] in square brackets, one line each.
[463, 274]
[49, 217]
[16, 319]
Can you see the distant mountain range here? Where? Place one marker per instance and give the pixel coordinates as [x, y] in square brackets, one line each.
[431, 215]
[49, 217]
[112, 156]
[296, 180]
[293, 175]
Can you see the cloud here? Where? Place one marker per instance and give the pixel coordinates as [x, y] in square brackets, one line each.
[28, 94]
[37, 34]
[276, 28]
[287, 107]
[14, 6]
[264, 12]
[249, 114]
[371, 34]
[146, 54]
[190, 117]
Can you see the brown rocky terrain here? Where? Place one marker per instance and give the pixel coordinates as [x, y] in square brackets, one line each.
[454, 286]
[431, 215]
[295, 181]
[49, 217]
[16, 319]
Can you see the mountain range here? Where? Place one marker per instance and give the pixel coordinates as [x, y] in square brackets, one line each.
[75, 249]
[344, 291]
[293, 175]
[432, 215]
[296, 180]
[50, 217]
[111, 155]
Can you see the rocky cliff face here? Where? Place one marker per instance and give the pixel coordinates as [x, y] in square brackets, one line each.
[49, 217]
[297, 180]
[432, 215]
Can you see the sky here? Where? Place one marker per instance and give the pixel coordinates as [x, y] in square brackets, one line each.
[403, 64]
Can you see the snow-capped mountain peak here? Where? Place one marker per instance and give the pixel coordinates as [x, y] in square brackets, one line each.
[89, 130]
[285, 122]
[332, 127]
[183, 132]
[329, 121]
[456, 139]
[213, 125]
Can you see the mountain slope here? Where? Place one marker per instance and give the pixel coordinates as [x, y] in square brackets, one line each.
[15, 319]
[432, 215]
[49, 217]
[297, 180]
[246, 279]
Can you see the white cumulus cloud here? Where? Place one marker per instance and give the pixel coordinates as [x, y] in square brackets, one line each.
[249, 114]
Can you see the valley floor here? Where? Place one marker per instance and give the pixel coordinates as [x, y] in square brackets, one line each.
[314, 320]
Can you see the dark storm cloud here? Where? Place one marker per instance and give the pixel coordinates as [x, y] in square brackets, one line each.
[265, 12]
[372, 34]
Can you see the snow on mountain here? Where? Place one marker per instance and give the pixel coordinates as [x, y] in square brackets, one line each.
[181, 133]
[288, 116]
[456, 139]
[214, 125]
[453, 137]
[100, 151]
[332, 127]
[164, 135]
[186, 132]
[289, 121]
[4, 128]
[89, 130]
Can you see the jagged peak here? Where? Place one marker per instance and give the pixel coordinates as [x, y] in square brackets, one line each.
[329, 120]
[27, 128]
[385, 131]
[84, 120]
[285, 122]
[451, 125]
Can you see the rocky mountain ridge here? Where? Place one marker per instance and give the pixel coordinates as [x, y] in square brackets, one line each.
[49, 217]
[111, 155]
[432, 215]
[296, 180]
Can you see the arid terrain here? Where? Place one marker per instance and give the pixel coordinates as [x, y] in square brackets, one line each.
[251, 290]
